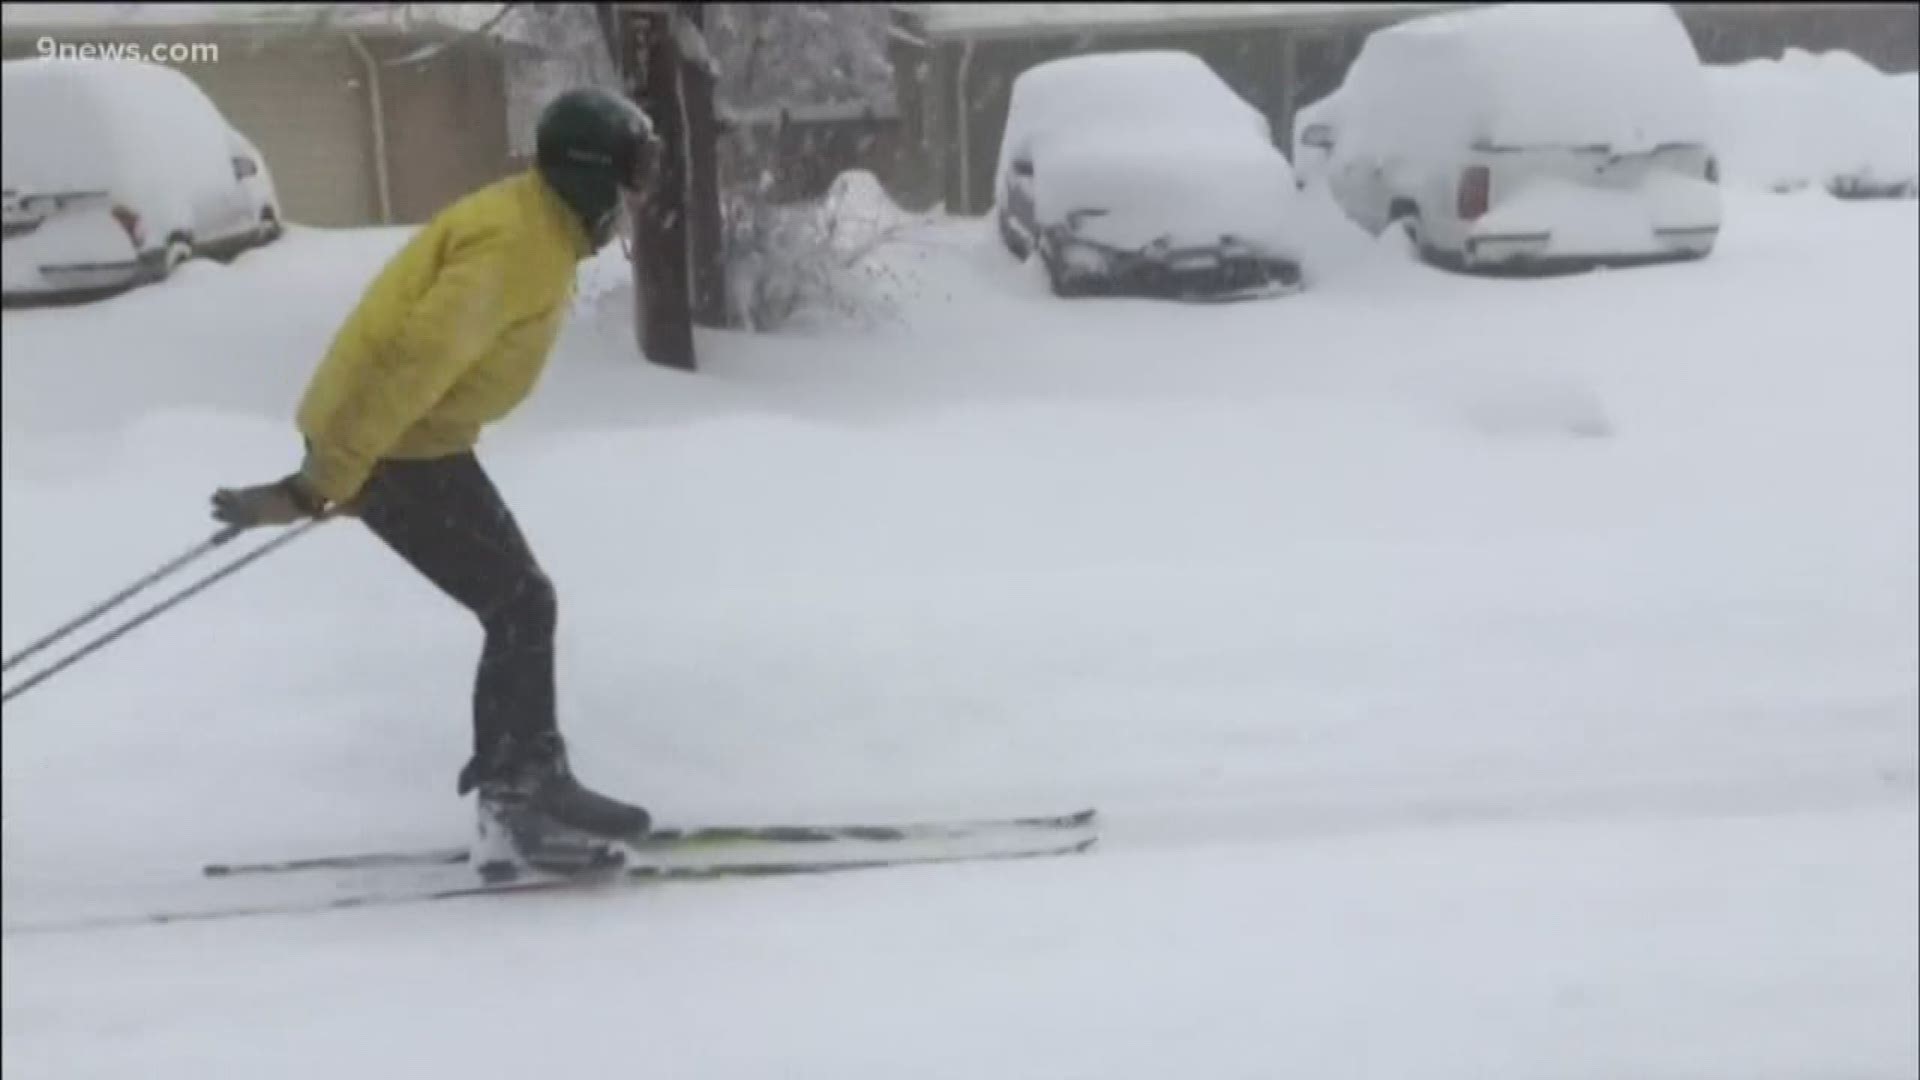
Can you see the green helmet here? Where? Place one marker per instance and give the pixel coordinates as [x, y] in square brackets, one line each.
[590, 145]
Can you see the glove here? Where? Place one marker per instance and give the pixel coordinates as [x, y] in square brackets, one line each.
[282, 502]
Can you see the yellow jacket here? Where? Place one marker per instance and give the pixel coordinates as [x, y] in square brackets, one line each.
[451, 336]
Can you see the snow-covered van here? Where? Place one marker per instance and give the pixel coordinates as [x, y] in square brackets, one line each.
[114, 173]
[1528, 135]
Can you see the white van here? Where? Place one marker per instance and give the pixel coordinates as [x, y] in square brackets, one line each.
[1527, 135]
[115, 172]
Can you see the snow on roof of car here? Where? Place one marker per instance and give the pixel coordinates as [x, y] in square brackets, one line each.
[1620, 75]
[1007, 20]
[1148, 75]
[1133, 89]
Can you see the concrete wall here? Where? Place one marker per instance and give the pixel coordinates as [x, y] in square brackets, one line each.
[446, 127]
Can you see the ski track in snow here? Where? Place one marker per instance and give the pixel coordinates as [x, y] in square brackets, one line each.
[1477, 679]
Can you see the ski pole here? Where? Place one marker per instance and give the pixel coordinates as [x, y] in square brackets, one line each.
[168, 604]
[187, 558]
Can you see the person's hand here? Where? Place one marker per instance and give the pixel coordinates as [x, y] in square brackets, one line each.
[282, 502]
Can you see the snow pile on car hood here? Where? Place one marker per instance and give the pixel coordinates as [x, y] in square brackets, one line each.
[1829, 119]
[1521, 75]
[1188, 190]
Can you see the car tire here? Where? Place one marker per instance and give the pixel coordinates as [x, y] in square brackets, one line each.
[1406, 217]
[1016, 244]
[1407, 220]
[1058, 283]
[269, 227]
[1069, 287]
[177, 252]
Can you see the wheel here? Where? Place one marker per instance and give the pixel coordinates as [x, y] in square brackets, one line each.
[177, 252]
[1068, 288]
[1016, 244]
[1406, 217]
[1407, 220]
[1065, 285]
[269, 226]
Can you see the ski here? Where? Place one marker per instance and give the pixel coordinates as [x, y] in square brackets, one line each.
[438, 891]
[662, 840]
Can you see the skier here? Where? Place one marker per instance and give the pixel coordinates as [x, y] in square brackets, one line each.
[452, 335]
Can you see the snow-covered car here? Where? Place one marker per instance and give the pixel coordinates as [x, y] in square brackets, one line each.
[1144, 174]
[1828, 120]
[263, 201]
[1530, 135]
[115, 172]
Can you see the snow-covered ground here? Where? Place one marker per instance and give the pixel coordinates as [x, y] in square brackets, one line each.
[1480, 678]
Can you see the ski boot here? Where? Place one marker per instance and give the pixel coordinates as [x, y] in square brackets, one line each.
[534, 815]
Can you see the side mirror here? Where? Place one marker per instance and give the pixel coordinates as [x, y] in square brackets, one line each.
[1318, 136]
[1023, 167]
[244, 167]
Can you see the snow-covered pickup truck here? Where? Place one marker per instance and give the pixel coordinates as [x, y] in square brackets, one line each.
[1521, 135]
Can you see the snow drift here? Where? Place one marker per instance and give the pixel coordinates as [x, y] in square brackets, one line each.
[1828, 120]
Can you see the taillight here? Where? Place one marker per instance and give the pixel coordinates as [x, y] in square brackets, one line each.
[1476, 192]
[1713, 171]
[130, 222]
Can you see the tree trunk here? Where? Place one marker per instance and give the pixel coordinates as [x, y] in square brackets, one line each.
[650, 66]
[709, 270]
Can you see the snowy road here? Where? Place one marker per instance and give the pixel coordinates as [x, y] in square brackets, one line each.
[1481, 679]
[1763, 947]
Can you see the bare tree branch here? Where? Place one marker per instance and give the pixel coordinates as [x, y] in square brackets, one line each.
[799, 54]
[435, 48]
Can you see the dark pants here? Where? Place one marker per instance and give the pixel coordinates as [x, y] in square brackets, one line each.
[445, 518]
